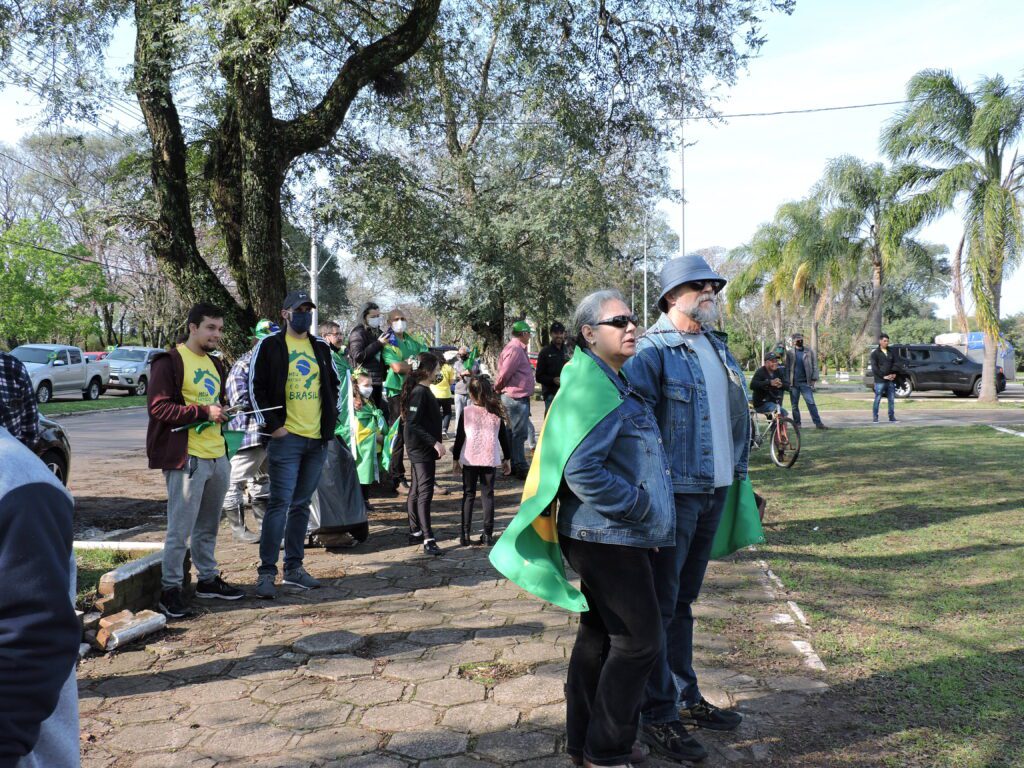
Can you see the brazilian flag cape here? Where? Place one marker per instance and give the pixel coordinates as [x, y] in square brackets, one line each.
[527, 552]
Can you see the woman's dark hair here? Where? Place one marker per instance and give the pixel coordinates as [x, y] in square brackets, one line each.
[482, 393]
[426, 368]
[368, 307]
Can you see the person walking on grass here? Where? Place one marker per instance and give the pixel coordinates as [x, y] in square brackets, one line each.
[294, 383]
[687, 375]
[883, 368]
[185, 390]
[250, 461]
[481, 445]
[399, 350]
[515, 383]
[802, 377]
[421, 422]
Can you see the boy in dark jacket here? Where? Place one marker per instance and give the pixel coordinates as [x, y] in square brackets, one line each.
[186, 387]
[294, 383]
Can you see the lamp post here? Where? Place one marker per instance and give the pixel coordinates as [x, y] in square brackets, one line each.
[646, 302]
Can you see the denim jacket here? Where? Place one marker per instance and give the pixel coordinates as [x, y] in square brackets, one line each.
[666, 372]
[616, 485]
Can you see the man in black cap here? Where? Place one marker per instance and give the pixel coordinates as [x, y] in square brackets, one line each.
[696, 388]
[550, 362]
[365, 344]
[293, 381]
[767, 386]
[801, 378]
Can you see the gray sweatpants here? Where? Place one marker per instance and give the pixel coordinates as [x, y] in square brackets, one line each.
[248, 464]
[195, 497]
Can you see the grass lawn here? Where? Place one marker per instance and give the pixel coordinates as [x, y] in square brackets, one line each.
[92, 564]
[906, 550]
[58, 408]
[853, 401]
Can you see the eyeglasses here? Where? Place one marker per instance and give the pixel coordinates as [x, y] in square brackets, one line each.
[619, 321]
[699, 285]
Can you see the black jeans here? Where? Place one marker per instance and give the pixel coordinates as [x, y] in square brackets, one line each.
[398, 448]
[378, 398]
[618, 642]
[421, 493]
[446, 412]
[470, 477]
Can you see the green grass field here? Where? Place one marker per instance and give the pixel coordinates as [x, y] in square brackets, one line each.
[59, 408]
[92, 564]
[906, 550]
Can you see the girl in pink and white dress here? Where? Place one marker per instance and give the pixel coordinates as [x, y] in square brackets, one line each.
[481, 446]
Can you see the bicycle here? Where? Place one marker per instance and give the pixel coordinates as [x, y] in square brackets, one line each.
[783, 435]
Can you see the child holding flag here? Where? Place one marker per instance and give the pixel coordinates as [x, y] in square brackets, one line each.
[370, 428]
[481, 445]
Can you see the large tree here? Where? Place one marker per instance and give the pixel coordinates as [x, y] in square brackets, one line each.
[958, 148]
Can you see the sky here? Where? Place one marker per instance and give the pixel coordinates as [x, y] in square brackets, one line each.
[827, 53]
[833, 53]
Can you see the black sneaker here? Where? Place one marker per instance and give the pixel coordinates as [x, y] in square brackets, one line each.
[415, 539]
[217, 588]
[430, 548]
[821, 426]
[707, 715]
[672, 741]
[172, 604]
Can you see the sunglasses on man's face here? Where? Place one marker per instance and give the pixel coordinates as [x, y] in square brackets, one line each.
[699, 285]
[620, 321]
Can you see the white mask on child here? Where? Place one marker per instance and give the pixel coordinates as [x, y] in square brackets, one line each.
[366, 391]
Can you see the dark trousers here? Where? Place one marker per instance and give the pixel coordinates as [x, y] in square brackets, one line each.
[471, 476]
[366, 488]
[296, 464]
[617, 645]
[678, 576]
[378, 398]
[398, 447]
[885, 389]
[421, 494]
[446, 412]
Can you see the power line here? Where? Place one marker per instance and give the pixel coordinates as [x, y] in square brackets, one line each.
[41, 172]
[13, 241]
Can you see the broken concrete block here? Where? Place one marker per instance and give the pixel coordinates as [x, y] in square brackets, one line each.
[108, 621]
[126, 630]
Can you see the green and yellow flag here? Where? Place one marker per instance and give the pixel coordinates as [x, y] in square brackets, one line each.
[389, 443]
[527, 552]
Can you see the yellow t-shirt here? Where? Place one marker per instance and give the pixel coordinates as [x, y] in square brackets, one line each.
[201, 386]
[302, 390]
[443, 389]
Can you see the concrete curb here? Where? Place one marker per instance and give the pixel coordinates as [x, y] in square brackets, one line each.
[59, 416]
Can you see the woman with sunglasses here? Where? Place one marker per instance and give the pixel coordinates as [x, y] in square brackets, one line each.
[615, 507]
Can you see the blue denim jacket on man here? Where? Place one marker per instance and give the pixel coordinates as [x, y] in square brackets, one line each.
[666, 372]
[616, 486]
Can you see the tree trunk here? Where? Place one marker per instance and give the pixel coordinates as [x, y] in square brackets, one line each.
[877, 306]
[957, 286]
[988, 370]
[777, 322]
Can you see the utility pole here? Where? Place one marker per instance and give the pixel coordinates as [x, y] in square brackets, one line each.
[682, 184]
[314, 278]
[646, 302]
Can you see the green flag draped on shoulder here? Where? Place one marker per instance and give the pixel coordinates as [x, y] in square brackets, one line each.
[527, 552]
[389, 443]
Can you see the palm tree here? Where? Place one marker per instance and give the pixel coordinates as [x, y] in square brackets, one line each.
[866, 203]
[955, 148]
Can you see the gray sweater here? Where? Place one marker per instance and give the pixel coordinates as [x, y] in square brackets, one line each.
[39, 631]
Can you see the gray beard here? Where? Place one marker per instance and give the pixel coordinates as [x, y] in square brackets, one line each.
[705, 313]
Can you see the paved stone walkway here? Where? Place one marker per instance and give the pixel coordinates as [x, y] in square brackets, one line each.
[403, 660]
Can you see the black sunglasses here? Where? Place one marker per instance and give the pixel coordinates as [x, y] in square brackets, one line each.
[620, 321]
[698, 285]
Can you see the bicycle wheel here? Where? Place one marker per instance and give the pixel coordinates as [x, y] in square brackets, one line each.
[785, 445]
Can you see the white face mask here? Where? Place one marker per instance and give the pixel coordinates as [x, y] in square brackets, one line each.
[398, 326]
[366, 391]
[374, 322]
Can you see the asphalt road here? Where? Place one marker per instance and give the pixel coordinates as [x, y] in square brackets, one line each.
[105, 434]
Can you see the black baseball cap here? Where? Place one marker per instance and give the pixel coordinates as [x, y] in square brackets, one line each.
[296, 299]
[770, 356]
[557, 327]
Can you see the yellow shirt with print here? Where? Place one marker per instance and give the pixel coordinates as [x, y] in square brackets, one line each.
[443, 389]
[302, 390]
[201, 386]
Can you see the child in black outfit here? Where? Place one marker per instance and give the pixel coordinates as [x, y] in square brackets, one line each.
[421, 425]
[481, 445]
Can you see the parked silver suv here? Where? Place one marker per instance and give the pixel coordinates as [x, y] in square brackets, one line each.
[129, 368]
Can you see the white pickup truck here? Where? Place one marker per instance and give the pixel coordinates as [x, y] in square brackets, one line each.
[57, 369]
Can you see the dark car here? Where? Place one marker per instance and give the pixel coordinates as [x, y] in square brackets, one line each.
[923, 367]
[54, 449]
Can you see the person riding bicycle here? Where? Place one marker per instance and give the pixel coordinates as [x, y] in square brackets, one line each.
[768, 386]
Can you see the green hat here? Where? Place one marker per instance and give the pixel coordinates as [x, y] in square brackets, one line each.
[264, 328]
[521, 326]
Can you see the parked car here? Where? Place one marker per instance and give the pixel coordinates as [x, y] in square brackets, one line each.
[129, 368]
[95, 357]
[54, 448]
[922, 367]
[58, 369]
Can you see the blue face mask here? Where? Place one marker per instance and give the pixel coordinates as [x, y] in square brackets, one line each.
[301, 321]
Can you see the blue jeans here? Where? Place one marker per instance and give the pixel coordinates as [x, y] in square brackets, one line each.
[885, 389]
[678, 577]
[295, 466]
[547, 402]
[770, 407]
[794, 400]
[518, 410]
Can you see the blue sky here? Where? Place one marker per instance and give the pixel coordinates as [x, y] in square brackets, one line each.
[828, 53]
[831, 53]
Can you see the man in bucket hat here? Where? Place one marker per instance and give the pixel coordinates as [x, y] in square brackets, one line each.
[696, 388]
